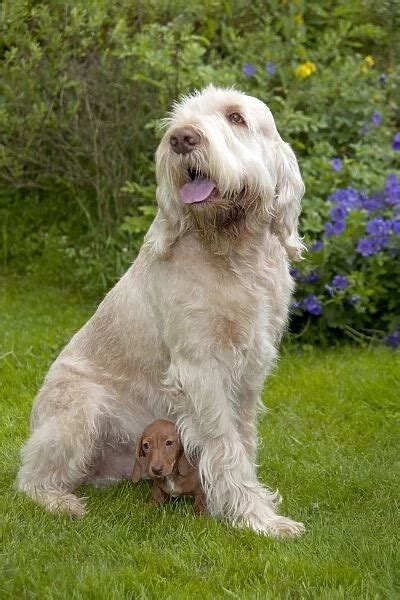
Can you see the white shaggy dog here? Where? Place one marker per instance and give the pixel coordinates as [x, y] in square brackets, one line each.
[191, 330]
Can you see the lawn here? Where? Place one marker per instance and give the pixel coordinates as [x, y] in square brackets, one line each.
[330, 442]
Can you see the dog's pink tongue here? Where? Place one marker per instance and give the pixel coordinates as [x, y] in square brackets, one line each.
[197, 191]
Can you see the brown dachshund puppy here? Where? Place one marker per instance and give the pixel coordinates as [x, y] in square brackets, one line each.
[160, 456]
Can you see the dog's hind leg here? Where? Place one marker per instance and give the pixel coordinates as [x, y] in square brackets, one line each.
[63, 445]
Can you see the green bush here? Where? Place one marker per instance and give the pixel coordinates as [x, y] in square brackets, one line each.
[83, 85]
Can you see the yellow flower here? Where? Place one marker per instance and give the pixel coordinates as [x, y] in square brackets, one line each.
[302, 71]
[305, 69]
[312, 66]
[299, 19]
[367, 64]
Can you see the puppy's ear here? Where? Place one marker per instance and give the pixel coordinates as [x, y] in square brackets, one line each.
[139, 469]
[286, 207]
[184, 466]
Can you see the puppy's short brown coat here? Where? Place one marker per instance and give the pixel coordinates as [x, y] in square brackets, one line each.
[160, 456]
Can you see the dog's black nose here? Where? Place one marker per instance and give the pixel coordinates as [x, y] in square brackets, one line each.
[184, 140]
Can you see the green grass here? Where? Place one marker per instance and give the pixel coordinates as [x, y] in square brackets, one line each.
[330, 442]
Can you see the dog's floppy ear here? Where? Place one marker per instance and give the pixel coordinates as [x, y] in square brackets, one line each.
[286, 207]
[184, 466]
[139, 469]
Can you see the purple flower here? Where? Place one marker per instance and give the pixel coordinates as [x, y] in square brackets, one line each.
[371, 245]
[328, 229]
[354, 299]
[340, 282]
[352, 198]
[312, 277]
[392, 339]
[347, 197]
[376, 118]
[392, 189]
[378, 226]
[294, 273]
[338, 212]
[391, 180]
[312, 305]
[382, 78]
[380, 242]
[396, 141]
[371, 203]
[395, 224]
[249, 70]
[365, 247]
[270, 67]
[336, 164]
[334, 228]
[317, 246]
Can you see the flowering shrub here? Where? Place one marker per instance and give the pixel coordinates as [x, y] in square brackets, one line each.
[84, 85]
[350, 280]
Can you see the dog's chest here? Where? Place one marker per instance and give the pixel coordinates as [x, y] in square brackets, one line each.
[169, 486]
[225, 300]
[239, 311]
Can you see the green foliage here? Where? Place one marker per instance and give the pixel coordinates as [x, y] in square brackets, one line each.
[84, 84]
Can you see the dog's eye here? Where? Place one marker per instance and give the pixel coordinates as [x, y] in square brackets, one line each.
[146, 446]
[169, 442]
[236, 119]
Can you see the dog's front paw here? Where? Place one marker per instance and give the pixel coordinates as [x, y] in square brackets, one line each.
[285, 527]
[276, 526]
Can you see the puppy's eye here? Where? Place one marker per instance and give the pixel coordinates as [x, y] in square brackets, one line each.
[169, 442]
[146, 446]
[236, 119]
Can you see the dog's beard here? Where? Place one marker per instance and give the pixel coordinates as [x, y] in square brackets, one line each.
[219, 214]
[224, 217]
[222, 222]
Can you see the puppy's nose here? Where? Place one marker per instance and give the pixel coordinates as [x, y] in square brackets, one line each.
[157, 469]
[184, 140]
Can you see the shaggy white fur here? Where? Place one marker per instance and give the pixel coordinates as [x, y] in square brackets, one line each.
[191, 330]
